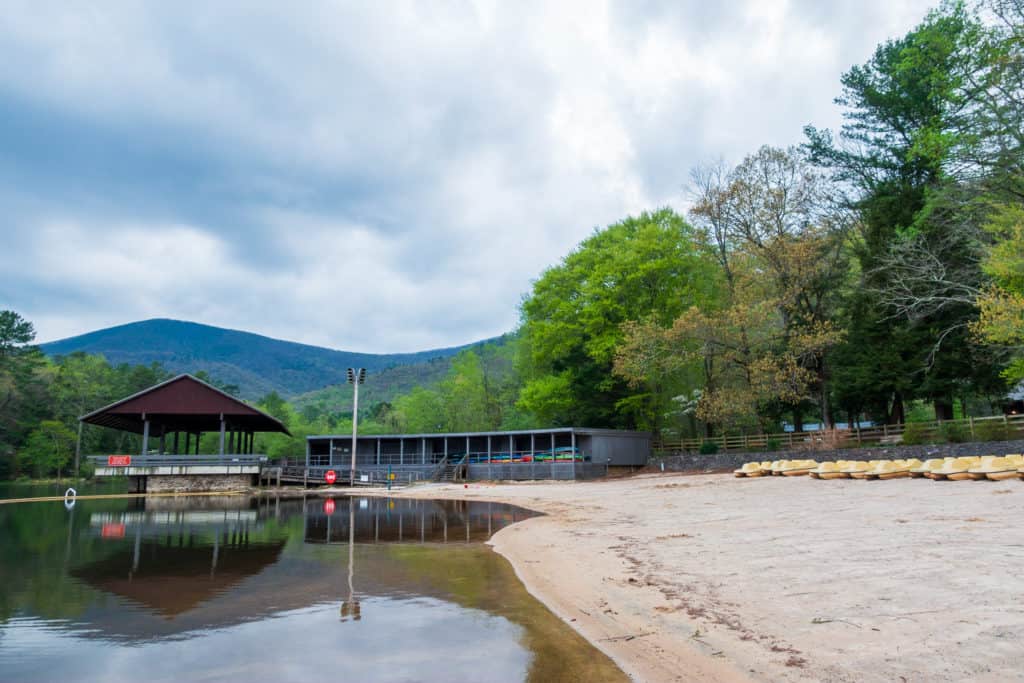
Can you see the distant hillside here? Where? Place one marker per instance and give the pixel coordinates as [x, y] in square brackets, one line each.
[257, 364]
[388, 384]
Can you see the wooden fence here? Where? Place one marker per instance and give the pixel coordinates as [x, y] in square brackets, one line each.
[969, 429]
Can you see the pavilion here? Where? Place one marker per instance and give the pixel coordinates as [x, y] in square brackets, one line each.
[184, 405]
[189, 406]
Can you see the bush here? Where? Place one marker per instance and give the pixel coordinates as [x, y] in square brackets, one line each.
[915, 433]
[708, 448]
[991, 430]
[954, 432]
[772, 445]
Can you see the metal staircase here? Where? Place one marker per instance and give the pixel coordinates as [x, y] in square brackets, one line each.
[453, 470]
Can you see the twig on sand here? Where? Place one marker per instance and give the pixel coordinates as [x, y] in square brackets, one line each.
[626, 638]
[826, 620]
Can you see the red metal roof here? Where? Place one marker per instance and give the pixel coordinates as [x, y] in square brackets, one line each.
[185, 404]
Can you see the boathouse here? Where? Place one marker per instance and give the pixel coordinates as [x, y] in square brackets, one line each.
[558, 453]
[172, 417]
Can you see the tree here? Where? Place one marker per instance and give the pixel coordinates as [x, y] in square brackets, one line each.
[49, 448]
[1002, 305]
[420, 411]
[772, 217]
[645, 267]
[903, 159]
[274, 405]
[23, 380]
[16, 334]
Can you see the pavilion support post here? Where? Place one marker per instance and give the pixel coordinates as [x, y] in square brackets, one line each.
[489, 475]
[188, 442]
[423, 451]
[552, 455]
[573, 454]
[223, 427]
[446, 448]
[176, 435]
[145, 434]
[199, 436]
[401, 451]
[305, 472]
[511, 449]
[378, 451]
[163, 442]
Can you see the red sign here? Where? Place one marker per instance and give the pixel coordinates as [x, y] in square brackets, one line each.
[112, 530]
[329, 506]
[119, 460]
[330, 476]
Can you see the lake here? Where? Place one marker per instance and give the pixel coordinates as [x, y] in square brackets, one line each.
[230, 588]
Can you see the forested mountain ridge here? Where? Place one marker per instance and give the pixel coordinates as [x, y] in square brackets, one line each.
[254, 363]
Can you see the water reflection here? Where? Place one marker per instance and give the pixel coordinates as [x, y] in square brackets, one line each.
[223, 588]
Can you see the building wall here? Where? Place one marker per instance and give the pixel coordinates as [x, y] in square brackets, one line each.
[618, 450]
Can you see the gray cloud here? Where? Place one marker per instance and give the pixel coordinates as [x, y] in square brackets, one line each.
[374, 177]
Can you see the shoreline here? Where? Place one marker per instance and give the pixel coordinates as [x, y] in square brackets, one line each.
[622, 633]
[713, 578]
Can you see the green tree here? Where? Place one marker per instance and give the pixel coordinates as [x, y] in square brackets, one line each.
[1002, 305]
[898, 153]
[420, 411]
[49, 448]
[645, 267]
[24, 376]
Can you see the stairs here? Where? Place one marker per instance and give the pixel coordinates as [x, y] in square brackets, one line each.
[453, 470]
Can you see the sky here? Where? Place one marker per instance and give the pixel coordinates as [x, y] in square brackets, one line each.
[375, 176]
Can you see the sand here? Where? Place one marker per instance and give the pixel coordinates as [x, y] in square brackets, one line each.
[713, 578]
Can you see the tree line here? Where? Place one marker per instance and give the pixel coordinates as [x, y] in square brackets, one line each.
[857, 275]
[870, 273]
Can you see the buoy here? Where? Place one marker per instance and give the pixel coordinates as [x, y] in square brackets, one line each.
[465, 486]
[69, 498]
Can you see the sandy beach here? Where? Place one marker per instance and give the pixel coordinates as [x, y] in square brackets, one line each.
[712, 578]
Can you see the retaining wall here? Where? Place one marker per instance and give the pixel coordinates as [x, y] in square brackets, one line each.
[690, 462]
[198, 483]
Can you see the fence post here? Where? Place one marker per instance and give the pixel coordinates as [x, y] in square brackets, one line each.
[970, 423]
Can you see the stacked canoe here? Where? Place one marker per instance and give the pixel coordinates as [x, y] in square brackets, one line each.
[996, 468]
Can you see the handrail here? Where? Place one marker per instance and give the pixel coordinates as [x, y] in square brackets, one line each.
[840, 438]
[178, 460]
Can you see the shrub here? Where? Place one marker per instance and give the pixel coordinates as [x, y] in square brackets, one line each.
[915, 433]
[772, 445]
[708, 448]
[954, 432]
[991, 430]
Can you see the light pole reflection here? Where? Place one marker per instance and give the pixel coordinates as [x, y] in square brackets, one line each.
[350, 608]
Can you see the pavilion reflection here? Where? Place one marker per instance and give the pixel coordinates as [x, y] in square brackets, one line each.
[406, 520]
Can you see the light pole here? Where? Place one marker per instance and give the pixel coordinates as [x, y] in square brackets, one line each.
[355, 378]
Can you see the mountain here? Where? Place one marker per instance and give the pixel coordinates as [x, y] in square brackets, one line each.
[255, 363]
[388, 384]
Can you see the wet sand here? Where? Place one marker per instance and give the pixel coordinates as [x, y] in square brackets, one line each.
[712, 578]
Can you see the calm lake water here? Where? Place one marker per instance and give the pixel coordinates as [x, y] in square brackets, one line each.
[228, 588]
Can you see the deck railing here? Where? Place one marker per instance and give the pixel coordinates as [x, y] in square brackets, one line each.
[969, 429]
[177, 460]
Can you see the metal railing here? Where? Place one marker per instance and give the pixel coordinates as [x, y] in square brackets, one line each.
[376, 476]
[970, 429]
[228, 460]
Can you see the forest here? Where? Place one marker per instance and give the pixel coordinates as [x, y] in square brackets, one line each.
[874, 273]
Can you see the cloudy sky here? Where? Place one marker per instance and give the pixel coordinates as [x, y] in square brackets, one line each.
[374, 176]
